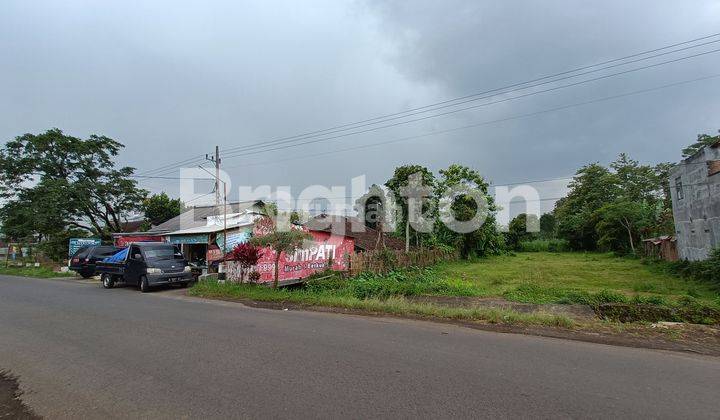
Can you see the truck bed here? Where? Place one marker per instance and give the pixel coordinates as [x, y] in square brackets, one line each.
[110, 267]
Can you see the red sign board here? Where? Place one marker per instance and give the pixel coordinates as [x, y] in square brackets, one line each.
[126, 240]
[313, 258]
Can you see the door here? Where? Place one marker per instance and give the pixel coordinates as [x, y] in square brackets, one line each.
[135, 265]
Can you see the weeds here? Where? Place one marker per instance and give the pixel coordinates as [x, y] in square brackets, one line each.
[395, 305]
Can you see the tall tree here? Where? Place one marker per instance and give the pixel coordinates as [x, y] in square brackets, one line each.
[159, 208]
[469, 185]
[398, 185]
[548, 225]
[592, 187]
[518, 229]
[78, 175]
[620, 224]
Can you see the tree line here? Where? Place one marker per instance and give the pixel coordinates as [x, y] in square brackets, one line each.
[614, 207]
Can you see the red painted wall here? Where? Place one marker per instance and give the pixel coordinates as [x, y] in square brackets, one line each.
[303, 262]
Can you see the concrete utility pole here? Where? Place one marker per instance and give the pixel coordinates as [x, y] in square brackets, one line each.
[216, 160]
[217, 175]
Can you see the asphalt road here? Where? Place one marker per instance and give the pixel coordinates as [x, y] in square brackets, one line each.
[81, 351]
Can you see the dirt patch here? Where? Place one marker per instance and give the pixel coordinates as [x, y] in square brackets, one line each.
[688, 338]
[11, 406]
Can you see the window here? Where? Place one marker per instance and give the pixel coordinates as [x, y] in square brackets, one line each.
[135, 251]
[679, 188]
[105, 251]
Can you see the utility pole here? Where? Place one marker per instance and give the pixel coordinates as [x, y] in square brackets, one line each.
[215, 159]
[225, 210]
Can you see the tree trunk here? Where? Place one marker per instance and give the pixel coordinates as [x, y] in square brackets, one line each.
[277, 269]
[407, 235]
[632, 244]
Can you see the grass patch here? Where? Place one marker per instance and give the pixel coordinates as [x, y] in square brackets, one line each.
[639, 291]
[544, 277]
[39, 272]
[394, 305]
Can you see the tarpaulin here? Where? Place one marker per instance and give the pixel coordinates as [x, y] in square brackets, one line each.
[117, 257]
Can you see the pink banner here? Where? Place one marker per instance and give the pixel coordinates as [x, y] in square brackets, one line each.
[305, 262]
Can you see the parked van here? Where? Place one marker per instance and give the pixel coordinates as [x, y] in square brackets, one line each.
[145, 264]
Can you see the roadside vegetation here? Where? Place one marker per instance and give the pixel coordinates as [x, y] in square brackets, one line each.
[624, 289]
[39, 272]
[393, 304]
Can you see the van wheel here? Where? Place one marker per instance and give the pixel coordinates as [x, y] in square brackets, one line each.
[144, 286]
[107, 281]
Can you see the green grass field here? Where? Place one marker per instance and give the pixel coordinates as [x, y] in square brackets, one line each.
[534, 277]
[557, 273]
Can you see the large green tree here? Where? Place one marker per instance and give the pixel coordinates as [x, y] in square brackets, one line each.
[612, 208]
[548, 225]
[621, 222]
[62, 182]
[463, 186]
[592, 187]
[399, 186]
[518, 229]
[159, 208]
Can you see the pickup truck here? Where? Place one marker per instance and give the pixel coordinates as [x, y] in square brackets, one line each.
[145, 264]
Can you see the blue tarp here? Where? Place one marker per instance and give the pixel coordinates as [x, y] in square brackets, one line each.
[118, 257]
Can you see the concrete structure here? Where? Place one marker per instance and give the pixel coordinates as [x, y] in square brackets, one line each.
[695, 191]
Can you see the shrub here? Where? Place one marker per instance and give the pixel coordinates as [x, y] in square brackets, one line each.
[325, 282]
[706, 271]
[254, 276]
[412, 282]
[544, 245]
[245, 254]
[532, 293]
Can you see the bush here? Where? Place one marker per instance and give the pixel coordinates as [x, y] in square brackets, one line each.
[412, 282]
[325, 282]
[532, 293]
[544, 245]
[706, 271]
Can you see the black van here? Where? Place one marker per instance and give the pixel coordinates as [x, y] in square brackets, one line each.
[85, 259]
[146, 264]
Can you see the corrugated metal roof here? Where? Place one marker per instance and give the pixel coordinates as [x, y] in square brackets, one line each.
[196, 217]
[365, 238]
[205, 229]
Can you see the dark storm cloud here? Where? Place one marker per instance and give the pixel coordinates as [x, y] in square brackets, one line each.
[172, 79]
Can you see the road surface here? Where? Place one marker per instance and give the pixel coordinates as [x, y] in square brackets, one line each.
[82, 351]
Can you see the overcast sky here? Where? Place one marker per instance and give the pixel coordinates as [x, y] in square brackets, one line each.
[171, 79]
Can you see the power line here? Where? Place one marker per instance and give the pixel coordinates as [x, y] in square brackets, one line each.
[515, 117]
[325, 131]
[466, 108]
[474, 99]
[188, 161]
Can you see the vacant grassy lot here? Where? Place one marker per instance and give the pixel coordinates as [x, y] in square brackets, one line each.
[634, 290]
[539, 277]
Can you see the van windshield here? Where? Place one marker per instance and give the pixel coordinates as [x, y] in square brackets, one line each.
[160, 253]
